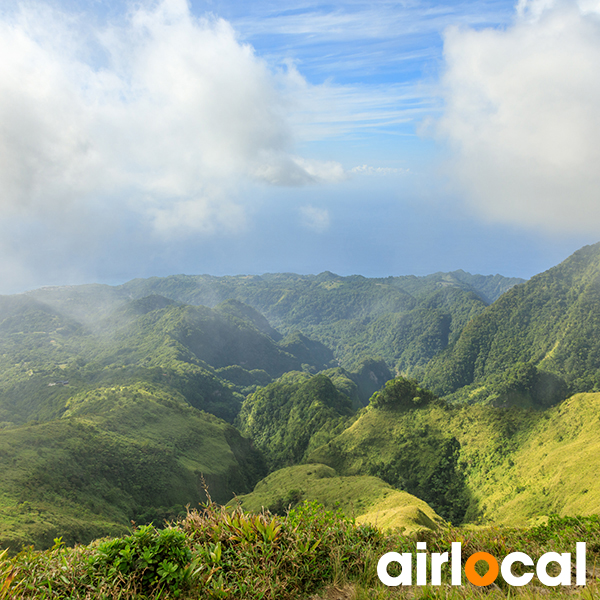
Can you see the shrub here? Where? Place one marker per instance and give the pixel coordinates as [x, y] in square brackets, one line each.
[402, 393]
[147, 560]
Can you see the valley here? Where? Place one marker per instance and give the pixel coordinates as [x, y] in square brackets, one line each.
[415, 403]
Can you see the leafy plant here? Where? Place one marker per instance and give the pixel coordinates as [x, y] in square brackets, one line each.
[217, 553]
[148, 559]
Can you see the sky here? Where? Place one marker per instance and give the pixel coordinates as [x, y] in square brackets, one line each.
[224, 137]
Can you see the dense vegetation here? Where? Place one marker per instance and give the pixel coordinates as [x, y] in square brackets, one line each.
[284, 417]
[46, 357]
[543, 332]
[405, 402]
[405, 320]
[214, 553]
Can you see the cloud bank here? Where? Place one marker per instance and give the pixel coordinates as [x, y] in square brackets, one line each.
[162, 116]
[521, 116]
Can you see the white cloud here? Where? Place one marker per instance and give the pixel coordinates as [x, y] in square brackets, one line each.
[368, 170]
[315, 219]
[165, 109]
[198, 215]
[522, 118]
[295, 170]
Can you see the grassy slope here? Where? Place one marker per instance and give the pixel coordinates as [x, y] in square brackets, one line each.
[555, 468]
[517, 464]
[369, 499]
[120, 453]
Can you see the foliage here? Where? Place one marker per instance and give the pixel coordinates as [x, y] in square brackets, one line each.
[148, 559]
[283, 417]
[402, 393]
[212, 553]
[550, 323]
[435, 477]
[216, 553]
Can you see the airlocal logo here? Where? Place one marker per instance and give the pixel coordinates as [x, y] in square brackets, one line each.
[505, 568]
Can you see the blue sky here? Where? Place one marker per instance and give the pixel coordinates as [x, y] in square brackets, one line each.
[227, 137]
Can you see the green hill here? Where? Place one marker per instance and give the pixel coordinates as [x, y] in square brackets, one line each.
[286, 417]
[553, 470]
[118, 454]
[402, 437]
[535, 345]
[475, 463]
[366, 498]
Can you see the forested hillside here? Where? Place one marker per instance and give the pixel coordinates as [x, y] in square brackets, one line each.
[406, 320]
[211, 356]
[535, 345]
[405, 400]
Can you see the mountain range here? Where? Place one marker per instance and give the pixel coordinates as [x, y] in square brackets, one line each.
[403, 400]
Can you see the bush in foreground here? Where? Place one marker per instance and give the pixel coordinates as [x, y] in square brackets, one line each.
[215, 553]
[212, 553]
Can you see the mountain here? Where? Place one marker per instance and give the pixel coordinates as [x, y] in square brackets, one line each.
[211, 356]
[475, 463]
[119, 453]
[120, 403]
[405, 320]
[536, 345]
[396, 439]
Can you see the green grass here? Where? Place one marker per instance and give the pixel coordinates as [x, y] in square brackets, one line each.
[308, 553]
[553, 470]
[366, 498]
[516, 465]
[120, 453]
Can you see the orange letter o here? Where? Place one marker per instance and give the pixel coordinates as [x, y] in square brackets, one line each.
[474, 577]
